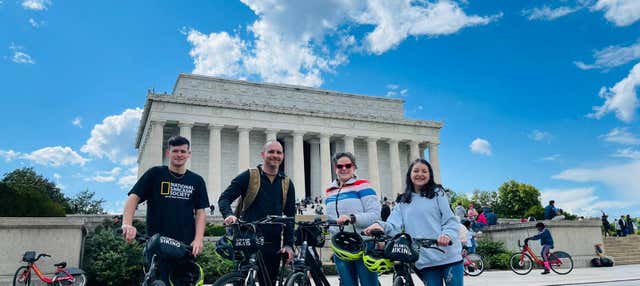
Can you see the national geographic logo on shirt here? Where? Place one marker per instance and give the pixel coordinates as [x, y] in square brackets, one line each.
[176, 191]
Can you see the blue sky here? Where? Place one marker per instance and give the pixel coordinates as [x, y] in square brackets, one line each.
[543, 92]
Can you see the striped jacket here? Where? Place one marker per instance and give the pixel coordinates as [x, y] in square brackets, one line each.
[356, 197]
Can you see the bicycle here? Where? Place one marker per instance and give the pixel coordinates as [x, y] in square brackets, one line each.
[248, 260]
[402, 270]
[61, 276]
[521, 263]
[473, 263]
[162, 248]
[307, 262]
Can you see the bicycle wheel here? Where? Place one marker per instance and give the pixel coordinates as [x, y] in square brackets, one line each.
[520, 264]
[401, 281]
[473, 264]
[22, 276]
[297, 279]
[233, 278]
[560, 262]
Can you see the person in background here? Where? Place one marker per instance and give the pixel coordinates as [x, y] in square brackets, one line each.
[546, 241]
[460, 211]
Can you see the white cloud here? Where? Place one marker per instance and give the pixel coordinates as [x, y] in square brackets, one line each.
[296, 42]
[19, 56]
[612, 56]
[581, 201]
[55, 156]
[77, 121]
[621, 136]
[9, 155]
[114, 137]
[553, 157]
[627, 153]
[127, 181]
[105, 176]
[622, 178]
[397, 20]
[621, 98]
[36, 4]
[393, 90]
[620, 12]
[548, 13]
[481, 146]
[538, 135]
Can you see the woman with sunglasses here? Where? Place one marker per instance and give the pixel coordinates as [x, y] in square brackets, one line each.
[423, 212]
[351, 200]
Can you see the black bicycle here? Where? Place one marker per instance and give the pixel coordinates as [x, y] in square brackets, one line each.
[243, 247]
[162, 249]
[401, 269]
[307, 264]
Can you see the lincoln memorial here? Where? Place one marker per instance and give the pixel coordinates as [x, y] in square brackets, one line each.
[228, 121]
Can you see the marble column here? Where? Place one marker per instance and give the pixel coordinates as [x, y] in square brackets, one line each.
[243, 149]
[288, 156]
[372, 152]
[298, 165]
[214, 177]
[153, 147]
[414, 151]
[185, 131]
[348, 144]
[325, 161]
[314, 172]
[396, 175]
[272, 135]
[435, 163]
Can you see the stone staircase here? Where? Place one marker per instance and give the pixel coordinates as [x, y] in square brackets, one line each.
[624, 250]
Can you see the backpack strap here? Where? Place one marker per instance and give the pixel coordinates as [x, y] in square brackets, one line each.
[252, 192]
[285, 191]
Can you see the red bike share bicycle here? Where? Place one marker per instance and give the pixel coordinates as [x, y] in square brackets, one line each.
[522, 262]
[62, 275]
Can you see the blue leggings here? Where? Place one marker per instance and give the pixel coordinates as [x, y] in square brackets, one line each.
[451, 275]
[545, 252]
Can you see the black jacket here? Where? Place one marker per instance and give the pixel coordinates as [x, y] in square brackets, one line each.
[267, 202]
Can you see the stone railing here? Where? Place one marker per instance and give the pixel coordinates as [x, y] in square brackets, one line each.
[575, 237]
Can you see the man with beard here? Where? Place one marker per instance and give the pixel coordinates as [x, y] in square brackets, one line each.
[269, 200]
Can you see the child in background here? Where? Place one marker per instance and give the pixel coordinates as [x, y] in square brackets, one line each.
[544, 235]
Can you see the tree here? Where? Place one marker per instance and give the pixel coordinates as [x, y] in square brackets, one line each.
[515, 199]
[484, 198]
[26, 180]
[456, 198]
[27, 202]
[83, 203]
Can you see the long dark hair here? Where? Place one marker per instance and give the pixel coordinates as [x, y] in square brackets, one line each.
[429, 190]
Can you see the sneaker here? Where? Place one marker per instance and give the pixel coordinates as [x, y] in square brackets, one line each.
[546, 271]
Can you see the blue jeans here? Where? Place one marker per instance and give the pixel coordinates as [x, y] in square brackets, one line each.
[452, 275]
[353, 271]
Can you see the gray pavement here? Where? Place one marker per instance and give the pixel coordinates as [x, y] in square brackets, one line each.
[625, 275]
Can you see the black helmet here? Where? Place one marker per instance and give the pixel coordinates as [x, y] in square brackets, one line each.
[348, 246]
[224, 248]
[401, 248]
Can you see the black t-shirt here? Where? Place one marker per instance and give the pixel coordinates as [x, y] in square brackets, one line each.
[171, 201]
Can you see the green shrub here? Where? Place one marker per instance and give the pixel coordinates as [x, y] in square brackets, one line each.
[212, 264]
[28, 203]
[108, 260]
[214, 230]
[536, 211]
[499, 261]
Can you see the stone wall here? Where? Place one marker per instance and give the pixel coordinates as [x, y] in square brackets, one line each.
[60, 237]
[575, 237]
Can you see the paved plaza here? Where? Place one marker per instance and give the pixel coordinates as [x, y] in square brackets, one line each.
[625, 275]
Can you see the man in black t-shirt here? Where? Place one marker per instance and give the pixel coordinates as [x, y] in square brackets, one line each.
[176, 199]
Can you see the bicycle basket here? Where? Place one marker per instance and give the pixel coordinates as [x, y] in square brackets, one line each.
[247, 238]
[166, 248]
[401, 248]
[313, 234]
[29, 256]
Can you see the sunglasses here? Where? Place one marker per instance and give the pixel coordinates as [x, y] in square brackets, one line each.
[346, 166]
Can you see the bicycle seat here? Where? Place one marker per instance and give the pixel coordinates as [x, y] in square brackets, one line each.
[62, 264]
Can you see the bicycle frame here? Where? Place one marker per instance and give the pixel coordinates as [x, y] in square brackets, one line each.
[34, 267]
[527, 250]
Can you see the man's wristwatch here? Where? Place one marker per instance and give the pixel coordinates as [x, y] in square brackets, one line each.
[352, 218]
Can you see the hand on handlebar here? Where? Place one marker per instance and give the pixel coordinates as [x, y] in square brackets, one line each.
[230, 219]
[444, 240]
[343, 220]
[129, 232]
[373, 228]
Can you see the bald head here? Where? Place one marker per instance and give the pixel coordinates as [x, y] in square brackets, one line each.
[267, 145]
[272, 156]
